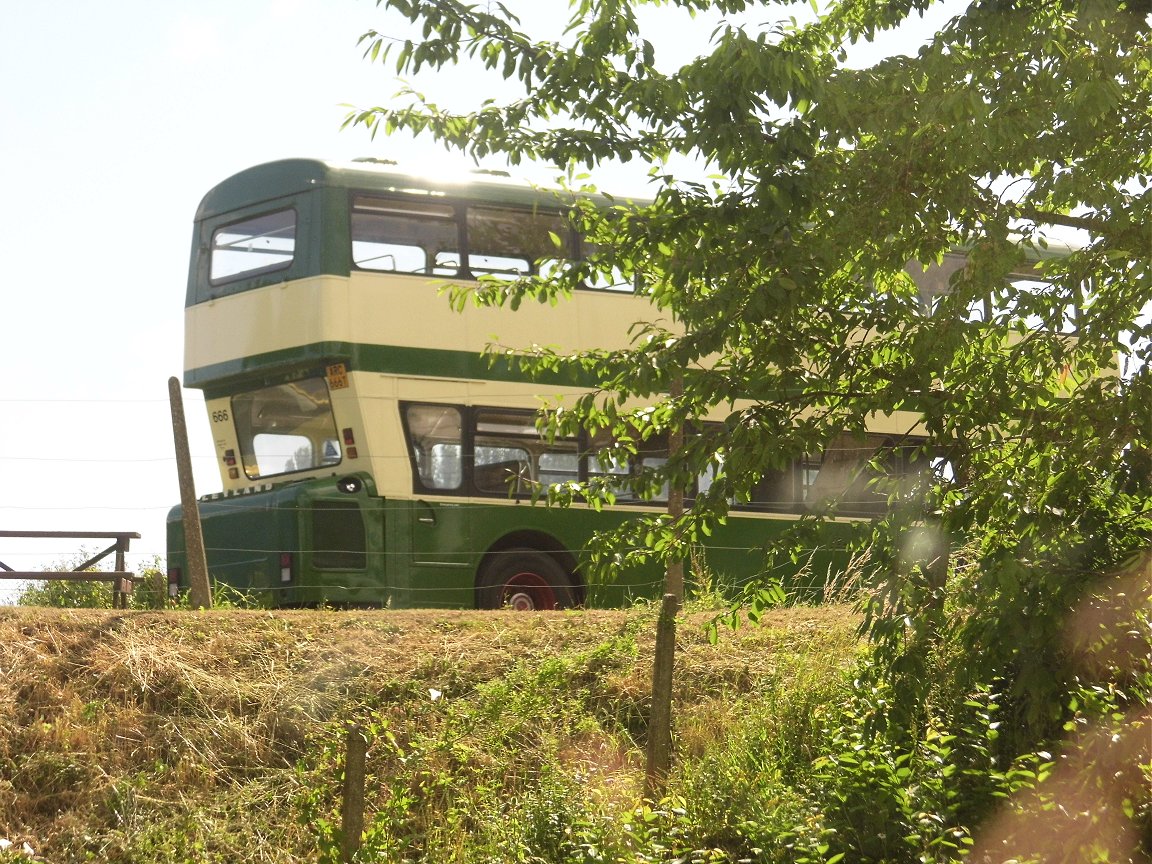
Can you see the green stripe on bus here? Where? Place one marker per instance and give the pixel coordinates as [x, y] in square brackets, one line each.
[219, 379]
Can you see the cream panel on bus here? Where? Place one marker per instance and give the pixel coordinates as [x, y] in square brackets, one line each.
[384, 309]
[266, 319]
[381, 433]
[411, 312]
[604, 312]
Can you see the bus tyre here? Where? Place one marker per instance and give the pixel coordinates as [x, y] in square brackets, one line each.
[524, 580]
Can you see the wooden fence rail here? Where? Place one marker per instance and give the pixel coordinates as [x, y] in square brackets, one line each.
[122, 579]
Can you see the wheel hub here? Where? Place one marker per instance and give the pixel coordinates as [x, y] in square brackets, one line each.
[526, 592]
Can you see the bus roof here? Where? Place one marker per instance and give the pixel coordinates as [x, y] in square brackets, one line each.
[289, 176]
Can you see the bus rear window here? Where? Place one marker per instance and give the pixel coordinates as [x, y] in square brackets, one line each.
[257, 245]
[286, 428]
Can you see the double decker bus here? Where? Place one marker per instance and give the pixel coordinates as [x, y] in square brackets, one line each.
[370, 454]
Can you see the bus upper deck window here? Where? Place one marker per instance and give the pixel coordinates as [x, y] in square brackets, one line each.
[512, 243]
[615, 280]
[403, 236]
[252, 246]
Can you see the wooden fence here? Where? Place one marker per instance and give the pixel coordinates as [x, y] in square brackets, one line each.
[122, 580]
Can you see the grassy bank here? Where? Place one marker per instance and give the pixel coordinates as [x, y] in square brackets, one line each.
[218, 736]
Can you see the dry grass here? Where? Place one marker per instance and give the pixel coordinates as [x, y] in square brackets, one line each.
[188, 725]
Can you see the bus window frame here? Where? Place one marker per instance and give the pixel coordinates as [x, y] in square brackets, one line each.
[419, 487]
[462, 211]
[526, 476]
[798, 479]
[308, 207]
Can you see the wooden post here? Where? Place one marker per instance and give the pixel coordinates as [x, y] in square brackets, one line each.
[121, 588]
[659, 757]
[352, 809]
[674, 573]
[199, 591]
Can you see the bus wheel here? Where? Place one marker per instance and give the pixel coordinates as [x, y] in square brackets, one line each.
[524, 580]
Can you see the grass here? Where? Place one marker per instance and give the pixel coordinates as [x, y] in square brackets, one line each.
[216, 736]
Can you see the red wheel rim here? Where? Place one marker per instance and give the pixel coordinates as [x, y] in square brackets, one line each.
[527, 592]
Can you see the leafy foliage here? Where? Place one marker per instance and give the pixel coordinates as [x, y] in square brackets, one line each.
[784, 283]
[808, 287]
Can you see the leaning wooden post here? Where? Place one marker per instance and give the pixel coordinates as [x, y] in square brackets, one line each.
[199, 591]
[352, 809]
[660, 717]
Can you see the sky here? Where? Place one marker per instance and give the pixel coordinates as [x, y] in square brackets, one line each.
[115, 119]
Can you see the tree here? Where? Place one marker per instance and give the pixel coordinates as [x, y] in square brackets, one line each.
[786, 276]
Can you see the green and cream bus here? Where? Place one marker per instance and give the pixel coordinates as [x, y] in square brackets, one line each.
[370, 453]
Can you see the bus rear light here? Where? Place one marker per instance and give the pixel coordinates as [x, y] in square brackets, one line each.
[233, 473]
[285, 566]
[174, 582]
[349, 439]
[351, 452]
[229, 457]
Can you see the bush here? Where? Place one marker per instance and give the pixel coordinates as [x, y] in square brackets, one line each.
[149, 593]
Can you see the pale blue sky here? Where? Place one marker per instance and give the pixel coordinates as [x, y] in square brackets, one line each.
[116, 118]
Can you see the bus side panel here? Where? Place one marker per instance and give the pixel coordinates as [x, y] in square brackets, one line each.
[731, 558]
[438, 552]
[735, 556]
[344, 560]
[437, 549]
[449, 541]
[428, 554]
[622, 585]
